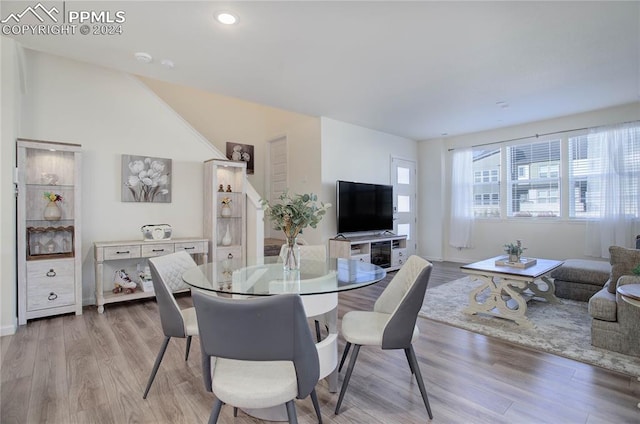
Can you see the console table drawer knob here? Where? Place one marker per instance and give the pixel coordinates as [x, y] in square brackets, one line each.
[51, 273]
[52, 296]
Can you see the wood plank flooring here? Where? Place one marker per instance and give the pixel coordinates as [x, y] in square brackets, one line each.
[93, 369]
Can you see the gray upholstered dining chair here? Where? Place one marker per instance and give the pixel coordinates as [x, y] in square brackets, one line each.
[166, 273]
[392, 323]
[257, 353]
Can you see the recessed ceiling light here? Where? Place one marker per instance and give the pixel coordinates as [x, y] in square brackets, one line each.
[167, 63]
[226, 18]
[143, 57]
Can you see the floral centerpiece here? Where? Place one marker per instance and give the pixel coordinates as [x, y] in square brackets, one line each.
[52, 212]
[226, 206]
[291, 215]
[52, 197]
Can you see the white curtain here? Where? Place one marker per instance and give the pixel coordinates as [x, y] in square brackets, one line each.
[461, 225]
[618, 178]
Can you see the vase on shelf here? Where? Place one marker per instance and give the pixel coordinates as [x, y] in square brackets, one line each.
[225, 211]
[52, 212]
[291, 259]
[226, 240]
[514, 258]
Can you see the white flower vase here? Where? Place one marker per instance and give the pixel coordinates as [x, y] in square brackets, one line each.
[226, 240]
[225, 211]
[52, 212]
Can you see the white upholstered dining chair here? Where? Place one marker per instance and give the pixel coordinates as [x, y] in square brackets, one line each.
[391, 324]
[257, 353]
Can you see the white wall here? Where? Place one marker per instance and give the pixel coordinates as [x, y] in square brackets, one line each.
[221, 119]
[110, 114]
[354, 153]
[431, 198]
[10, 119]
[557, 239]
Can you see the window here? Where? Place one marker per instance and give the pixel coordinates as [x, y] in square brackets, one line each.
[602, 171]
[595, 159]
[486, 187]
[533, 180]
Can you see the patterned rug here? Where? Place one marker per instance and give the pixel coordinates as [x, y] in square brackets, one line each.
[563, 329]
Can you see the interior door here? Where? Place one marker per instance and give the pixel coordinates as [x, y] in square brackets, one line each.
[278, 178]
[403, 179]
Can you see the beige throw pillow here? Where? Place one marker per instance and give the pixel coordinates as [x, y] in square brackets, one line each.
[623, 261]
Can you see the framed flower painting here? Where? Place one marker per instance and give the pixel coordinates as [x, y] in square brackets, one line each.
[241, 152]
[146, 179]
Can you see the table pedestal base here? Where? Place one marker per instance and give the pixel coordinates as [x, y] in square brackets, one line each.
[507, 298]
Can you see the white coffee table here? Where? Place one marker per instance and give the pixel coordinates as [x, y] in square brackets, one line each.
[510, 288]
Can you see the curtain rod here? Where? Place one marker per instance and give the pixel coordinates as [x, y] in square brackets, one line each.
[540, 135]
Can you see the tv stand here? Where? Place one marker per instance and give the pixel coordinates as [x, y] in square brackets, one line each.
[386, 250]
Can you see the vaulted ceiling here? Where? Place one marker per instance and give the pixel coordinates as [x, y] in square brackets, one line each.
[415, 69]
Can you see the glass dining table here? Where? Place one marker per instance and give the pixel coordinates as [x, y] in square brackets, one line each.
[318, 283]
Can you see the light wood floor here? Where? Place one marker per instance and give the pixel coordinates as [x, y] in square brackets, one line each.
[93, 369]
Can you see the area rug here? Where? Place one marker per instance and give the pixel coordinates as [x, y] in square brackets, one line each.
[562, 329]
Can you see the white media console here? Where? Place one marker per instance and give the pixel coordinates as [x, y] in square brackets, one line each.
[387, 251]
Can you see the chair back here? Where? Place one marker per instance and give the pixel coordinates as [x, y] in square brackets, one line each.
[402, 299]
[166, 274]
[270, 328]
[310, 252]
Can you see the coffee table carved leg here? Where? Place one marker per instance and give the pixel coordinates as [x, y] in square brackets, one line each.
[549, 294]
[504, 299]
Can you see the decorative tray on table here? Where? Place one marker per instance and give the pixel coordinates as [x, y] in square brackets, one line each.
[522, 263]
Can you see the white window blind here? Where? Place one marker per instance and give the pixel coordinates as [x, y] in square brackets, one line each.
[604, 174]
[486, 183]
[533, 179]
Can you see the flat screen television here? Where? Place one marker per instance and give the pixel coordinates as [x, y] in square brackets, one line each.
[364, 207]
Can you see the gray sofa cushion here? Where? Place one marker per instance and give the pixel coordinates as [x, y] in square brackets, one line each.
[602, 305]
[583, 271]
[623, 261]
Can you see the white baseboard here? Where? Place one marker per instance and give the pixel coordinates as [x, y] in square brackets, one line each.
[9, 330]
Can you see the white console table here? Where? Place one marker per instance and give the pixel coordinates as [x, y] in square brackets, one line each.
[133, 251]
[386, 251]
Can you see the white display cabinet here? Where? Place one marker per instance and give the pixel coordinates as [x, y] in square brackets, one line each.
[49, 232]
[225, 185]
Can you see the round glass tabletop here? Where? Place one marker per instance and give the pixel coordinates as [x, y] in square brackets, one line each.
[314, 277]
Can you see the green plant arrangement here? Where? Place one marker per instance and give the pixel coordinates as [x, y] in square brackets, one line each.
[291, 215]
[636, 270]
[514, 249]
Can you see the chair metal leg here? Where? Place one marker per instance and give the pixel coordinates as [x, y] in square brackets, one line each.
[347, 377]
[411, 356]
[215, 411]
[291, 412]
[316, 405]
[318, 337]
[344, 355]
[406, 353]
[156, 365]
[186, 355]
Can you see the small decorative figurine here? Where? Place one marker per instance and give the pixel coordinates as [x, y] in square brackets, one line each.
[228, 188]
[220, 189]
